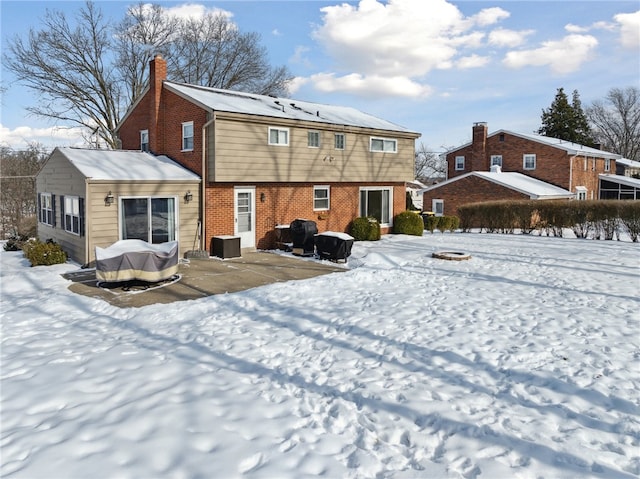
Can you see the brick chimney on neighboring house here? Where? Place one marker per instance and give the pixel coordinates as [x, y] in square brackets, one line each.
[479, 160]
[157, 74]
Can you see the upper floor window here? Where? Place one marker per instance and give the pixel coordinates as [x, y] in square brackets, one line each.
[313, 139]
[501, 137]
[144, 140]
[279, 136]
[46, 207]
[339, 141]
[72, 215]
[496, 160]
[459, 163]
[607, 164]
[187, 136]
[529, 161]
[320, 197]
[386, 145]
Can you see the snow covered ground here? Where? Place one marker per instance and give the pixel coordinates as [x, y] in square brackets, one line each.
[522, 362]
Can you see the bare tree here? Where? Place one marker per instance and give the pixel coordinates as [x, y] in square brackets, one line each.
[616, 121]
[68, 68]
[18, 170]
[429, 165]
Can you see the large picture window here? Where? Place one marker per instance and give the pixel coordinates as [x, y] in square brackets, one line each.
[386, 145]
[377, 202]
[149, 219]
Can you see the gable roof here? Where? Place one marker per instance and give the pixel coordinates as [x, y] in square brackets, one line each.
[125, 165]
[628, 163]
[621, 180]
[535, 189]
[568, 146]
[283, 108]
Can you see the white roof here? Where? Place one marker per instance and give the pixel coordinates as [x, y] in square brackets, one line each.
[628, 163]
[276, 107]
[125, 165]
[623, 180]
[535, 189]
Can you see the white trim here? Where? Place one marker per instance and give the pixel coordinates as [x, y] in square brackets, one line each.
[316, 133]
[455, 163]
[184, 125]
[279, 130]
[322, 187]
[142, 133]
[434, 206]
[529, 156]
[378, 188]
[249, 237]
[78, 216]
[176, 210]
[50, 209]
[344, 141]
[384, 141]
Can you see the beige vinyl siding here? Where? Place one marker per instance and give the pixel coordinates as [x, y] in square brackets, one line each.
[242, 151]
[60, 178]
[105, 220]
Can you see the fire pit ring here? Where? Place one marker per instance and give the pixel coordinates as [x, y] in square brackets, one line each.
[451, 255]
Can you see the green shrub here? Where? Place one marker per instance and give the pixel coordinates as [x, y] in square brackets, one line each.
[445, 223]
[47, 253]
[365, 228]
[431, 222]
[455, 223]
[408, 223]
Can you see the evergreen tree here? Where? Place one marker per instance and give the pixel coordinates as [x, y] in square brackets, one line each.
[566, 121]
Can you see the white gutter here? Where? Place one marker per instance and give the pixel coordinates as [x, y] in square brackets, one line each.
[203, 186]
[571, 172]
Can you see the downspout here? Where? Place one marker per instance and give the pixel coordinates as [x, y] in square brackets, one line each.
[203, 186]
[86, 220]
[571, 172]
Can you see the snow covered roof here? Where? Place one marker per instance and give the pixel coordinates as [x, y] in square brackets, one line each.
[620, 179]
[570, 147]
[535, 189]
[628, 163]
[276, 107]
[125, 165]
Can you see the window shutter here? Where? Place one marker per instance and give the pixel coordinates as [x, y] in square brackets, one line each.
[53, 211]
[63, 220]
[81, 213]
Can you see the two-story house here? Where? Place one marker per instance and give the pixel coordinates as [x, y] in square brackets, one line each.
[525, 166]
[266, 161]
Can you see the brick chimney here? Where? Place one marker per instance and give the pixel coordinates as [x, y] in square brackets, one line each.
[157, 74]
[479, 160]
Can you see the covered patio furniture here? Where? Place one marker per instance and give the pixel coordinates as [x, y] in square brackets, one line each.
[133, 259]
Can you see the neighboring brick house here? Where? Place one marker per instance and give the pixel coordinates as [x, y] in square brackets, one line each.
[565, 165]
[267, 161]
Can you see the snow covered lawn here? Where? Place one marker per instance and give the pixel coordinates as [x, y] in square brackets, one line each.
[522, 362]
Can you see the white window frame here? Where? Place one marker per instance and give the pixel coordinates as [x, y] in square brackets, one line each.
[364, 209]
[174, 229]
[71, 213]
[437, 206]
[529, 157]
[318, 202]
[46, 209]
[459, 163]
[186, 137]
[280, 141]
[607, 164]
[313, 139]
[496, 160]
[384, 143]
[339, 141]
[581, 193]
[144, 140]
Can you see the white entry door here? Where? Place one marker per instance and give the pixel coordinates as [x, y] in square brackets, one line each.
[244, 211]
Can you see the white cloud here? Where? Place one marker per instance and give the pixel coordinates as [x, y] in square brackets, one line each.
[571, 28]
[501, 37]
[365, 85]
[563, 56]
[489, 16]
[629, 29]
[472, 61]
[300, 56]
[50, 137]
[188, 11]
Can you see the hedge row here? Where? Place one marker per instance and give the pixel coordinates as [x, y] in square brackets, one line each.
[598, 219]
[441, 223]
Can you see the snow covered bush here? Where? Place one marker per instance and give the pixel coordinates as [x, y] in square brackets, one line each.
[408, 223]
[365, 228]
[47, 253]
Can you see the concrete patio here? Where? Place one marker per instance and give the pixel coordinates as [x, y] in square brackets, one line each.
[204, 277]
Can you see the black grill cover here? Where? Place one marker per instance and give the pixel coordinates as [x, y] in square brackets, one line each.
[302, 234]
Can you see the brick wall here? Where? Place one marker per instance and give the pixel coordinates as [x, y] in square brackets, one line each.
[469, 190]
[284, 203]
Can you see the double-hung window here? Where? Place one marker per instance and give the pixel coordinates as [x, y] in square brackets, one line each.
[496, 160]
[47, 209]
[71, 215]
[607, 164]
[320, 198]
[279, 136]
[459, 163]
[377, 202]
[437, 206]
[144, 140]
[339, 142]
[187, 136]
[529, 161]
[384, 145]
[313, 139]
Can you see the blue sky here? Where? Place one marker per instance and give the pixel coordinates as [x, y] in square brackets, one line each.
[433, 66]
